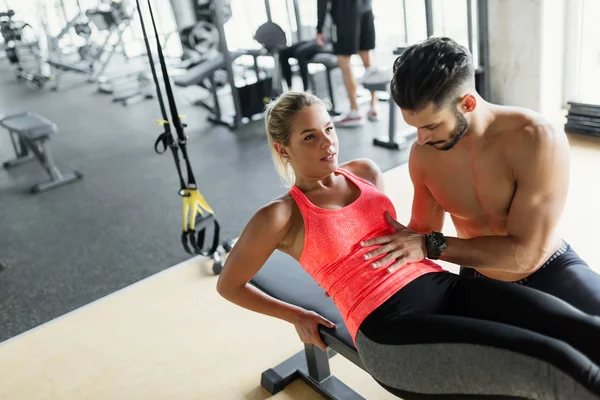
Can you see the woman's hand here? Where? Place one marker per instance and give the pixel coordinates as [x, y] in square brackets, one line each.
[307, 325]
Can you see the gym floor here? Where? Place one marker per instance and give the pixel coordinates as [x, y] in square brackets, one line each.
[70, 246]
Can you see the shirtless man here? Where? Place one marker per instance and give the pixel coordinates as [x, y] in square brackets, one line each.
[502, 173]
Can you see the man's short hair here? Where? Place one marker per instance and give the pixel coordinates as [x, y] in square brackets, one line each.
[431, 71]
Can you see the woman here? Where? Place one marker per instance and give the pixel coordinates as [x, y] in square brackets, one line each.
[419, 328]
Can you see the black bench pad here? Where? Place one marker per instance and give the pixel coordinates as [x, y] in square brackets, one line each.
[30, 125]
[283, 278]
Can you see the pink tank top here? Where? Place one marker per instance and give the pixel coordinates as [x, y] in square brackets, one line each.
[333, 256]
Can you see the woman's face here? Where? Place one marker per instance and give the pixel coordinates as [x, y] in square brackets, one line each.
[313, 147]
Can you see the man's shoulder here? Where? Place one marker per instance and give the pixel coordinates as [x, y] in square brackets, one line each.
[419, 158]
[523, 130]
[527, 135]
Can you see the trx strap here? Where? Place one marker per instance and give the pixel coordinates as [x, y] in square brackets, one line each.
[197, 214]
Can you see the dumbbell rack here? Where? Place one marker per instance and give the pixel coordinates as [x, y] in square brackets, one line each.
[583, 118]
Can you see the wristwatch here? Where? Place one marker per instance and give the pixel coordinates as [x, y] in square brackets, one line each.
[435, 243]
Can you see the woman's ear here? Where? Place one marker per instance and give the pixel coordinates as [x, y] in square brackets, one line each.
[281, 150]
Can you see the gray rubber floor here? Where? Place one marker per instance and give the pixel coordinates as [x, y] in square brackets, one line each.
[65, 248]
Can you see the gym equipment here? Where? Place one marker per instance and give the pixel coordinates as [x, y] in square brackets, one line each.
[10, 33]
[283, 278]
[22, 49]
[202, 37]
[205, 74]
[583, 118]
[111, 19]
[272, 38]
[197, 214]
[213, 73]
[328, 60]
[30, 133]
[128, 89]
[204, 13]
[381, 82]
[249, 98]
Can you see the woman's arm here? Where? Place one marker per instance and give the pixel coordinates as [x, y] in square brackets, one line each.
[259, 239]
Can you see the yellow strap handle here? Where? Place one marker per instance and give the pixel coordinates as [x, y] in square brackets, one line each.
[164, 121]
[193, 203]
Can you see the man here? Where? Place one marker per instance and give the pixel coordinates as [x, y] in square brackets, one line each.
[502, 173]
[353, 31]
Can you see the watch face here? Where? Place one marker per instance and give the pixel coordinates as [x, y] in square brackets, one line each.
[437, 239]
[436, 244]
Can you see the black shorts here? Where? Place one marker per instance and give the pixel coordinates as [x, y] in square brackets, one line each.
[354, 33]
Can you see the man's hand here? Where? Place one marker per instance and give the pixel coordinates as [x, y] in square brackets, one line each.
[320, 39]
[404, 246]
[307, 326]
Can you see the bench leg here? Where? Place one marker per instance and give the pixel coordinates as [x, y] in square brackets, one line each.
[34, 150]
[21, 151]
[328, 73]
[390, 141]
[57, 178]
[312, 366]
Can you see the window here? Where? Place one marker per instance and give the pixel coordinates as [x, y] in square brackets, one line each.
[589, 54]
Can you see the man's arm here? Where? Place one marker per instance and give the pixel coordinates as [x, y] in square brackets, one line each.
[542, 176]
[426, 215]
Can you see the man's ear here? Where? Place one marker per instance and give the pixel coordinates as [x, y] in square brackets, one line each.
[468, 103]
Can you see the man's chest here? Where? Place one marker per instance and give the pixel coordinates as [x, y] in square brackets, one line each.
[473, 188]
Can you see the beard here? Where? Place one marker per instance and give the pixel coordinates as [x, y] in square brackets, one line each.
[462, 125]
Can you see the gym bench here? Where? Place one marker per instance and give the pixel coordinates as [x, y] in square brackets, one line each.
[380, 82]
[329, 61]
[283, 278]
[30, 133]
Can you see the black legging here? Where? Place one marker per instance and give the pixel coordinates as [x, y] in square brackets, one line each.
[565, 276]
[447, 309]
[303, 52]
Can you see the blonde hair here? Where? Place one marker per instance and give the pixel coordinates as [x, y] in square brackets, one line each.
[278, 118]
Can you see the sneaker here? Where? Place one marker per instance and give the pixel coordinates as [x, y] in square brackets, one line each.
[373, 115]
[351, 119]
[369, 72]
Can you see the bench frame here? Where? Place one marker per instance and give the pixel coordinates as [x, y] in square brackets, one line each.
[29, 147]
[312, 366]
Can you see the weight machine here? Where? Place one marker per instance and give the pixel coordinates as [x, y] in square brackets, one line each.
[215, 71]
[22, 49]
[110, 19]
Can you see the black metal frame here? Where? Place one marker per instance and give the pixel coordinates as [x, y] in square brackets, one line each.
[312, 366]
[224, 49]
[483, 42]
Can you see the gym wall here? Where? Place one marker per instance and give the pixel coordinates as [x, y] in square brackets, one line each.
[526, 53]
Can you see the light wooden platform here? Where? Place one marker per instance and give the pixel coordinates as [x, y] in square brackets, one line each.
[172, 337]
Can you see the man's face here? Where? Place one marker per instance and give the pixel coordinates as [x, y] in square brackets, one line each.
[439, 128]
